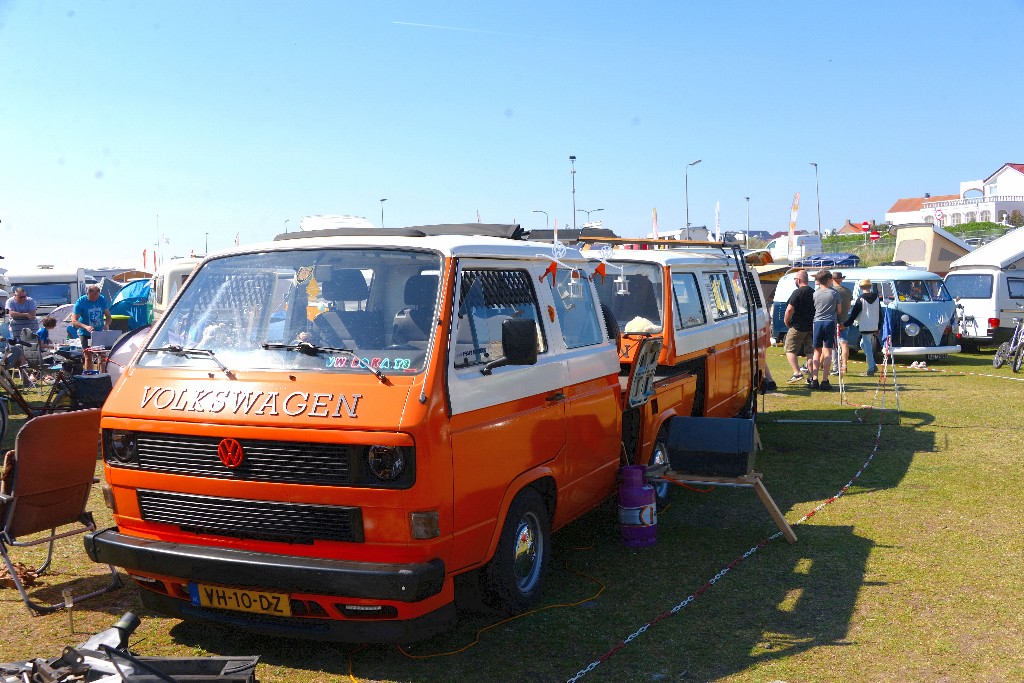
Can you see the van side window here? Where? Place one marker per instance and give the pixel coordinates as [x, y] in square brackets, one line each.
[574, 304]
[487, 298]
[688, 303]
[737, 289]
[1016, 287]
[888, 292]
[723, 305]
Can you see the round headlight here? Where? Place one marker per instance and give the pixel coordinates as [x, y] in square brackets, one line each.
[912, 329]
[386, 462]
[122, 446]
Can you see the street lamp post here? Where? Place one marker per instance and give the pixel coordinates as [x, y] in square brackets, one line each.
[746, 242]
[286, 225]
[588, 212]
[686, 177]
[817, 195]
[545, 217]
[206, 245]
[572, 160]
[382, 211]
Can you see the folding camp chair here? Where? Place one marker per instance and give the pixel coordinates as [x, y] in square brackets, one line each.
[44, 488]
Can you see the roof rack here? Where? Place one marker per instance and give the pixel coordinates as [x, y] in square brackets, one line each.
[507, 231]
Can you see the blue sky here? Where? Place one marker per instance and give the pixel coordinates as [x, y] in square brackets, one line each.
[121, 122]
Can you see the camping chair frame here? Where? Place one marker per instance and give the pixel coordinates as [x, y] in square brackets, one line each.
[46, 489]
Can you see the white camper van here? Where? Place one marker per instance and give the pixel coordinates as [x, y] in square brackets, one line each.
[167, 281]
[803, 246]
[989, 284]
[50, 288]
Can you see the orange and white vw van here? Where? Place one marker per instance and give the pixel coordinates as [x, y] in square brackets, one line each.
[323, 432]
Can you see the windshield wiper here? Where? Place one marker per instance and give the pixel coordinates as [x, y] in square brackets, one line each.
[176, 350]
[314, 350]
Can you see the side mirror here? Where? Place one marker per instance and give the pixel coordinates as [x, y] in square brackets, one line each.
[519, 341]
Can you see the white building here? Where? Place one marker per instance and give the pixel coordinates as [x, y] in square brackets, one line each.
[992, 199]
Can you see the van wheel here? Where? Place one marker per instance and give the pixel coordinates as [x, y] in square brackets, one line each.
[662, 489]
[514, 578]
[1002, 355]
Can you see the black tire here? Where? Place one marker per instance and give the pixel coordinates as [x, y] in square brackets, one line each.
[1002, 355]
[1018, 358]
[3, 418]
[514, 578]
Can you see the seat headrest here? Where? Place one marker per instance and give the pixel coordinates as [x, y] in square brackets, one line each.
[421, 290]
[345, 285]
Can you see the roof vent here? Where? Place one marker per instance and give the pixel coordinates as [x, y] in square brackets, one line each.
[927, 195]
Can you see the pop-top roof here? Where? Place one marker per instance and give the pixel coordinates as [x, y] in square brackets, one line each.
[998, 253]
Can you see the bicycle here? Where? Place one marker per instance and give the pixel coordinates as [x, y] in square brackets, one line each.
[61, 397]
[1012, 349]
[966, 327]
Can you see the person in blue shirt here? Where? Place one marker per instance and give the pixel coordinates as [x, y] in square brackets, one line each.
[91, 314]
[48, 323]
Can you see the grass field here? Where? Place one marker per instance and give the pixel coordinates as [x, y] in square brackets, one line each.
[913, 575]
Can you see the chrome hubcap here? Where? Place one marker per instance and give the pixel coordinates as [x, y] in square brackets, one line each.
[528, 552]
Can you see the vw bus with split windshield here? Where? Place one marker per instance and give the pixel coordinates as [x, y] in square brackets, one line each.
[919, 308]
[322, 433]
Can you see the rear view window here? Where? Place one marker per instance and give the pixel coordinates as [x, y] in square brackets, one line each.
[973, 286]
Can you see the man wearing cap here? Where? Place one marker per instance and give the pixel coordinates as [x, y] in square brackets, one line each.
[845, 300]
[867, 315]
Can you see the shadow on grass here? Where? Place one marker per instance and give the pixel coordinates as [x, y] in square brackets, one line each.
[783, 600]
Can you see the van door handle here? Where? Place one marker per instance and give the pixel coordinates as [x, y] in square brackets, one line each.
[556, 397]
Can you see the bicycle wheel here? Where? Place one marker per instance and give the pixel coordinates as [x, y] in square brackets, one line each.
[62, 402]
[1018, 358]
[1002, 355]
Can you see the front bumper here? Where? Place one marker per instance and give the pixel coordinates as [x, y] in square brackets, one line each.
[245, 569]
[924, 350]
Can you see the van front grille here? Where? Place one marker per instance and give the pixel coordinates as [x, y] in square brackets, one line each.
[255, 519]
[325, 464]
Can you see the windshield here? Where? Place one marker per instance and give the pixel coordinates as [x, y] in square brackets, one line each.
[921, 290]
[370, 307]
[633, 295]
[48, 293]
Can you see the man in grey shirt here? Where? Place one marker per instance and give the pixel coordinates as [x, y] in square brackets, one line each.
[22, 309]
[826, 305]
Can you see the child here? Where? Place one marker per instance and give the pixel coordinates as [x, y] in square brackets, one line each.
[49, 322]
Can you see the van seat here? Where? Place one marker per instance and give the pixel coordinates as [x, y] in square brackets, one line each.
[340, 327]
[412, 324]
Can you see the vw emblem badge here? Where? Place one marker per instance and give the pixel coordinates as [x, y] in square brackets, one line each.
[230, 453]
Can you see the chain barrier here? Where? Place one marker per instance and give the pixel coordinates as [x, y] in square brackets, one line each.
[879, 391]
[964, 373]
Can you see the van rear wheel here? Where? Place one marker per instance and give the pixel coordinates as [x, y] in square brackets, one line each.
[662, 489]
[514, 578]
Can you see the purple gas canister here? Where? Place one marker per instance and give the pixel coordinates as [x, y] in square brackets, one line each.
[638, 513]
